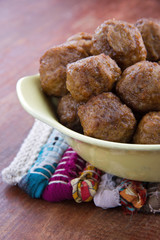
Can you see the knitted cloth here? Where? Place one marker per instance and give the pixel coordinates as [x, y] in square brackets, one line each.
[59, 187]
[132, 195]
[85, 186]
[107, 195]
[153, 198]
[35, 181]
[27, 154]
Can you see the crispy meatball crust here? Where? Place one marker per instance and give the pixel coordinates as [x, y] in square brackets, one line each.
[150, 31]
[53, 67]
[67, 113]
[84, 40]
[148, 130]
[91, 76]
[105, 117]
[139, 86]
[80, 36]
[120, 40]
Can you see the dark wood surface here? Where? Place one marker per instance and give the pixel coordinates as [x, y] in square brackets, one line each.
[27, 29]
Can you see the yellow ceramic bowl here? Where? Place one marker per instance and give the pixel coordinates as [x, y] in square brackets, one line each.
[132, 161]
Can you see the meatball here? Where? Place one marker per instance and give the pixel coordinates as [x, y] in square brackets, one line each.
[120, 40]
[82, 39]
[67, 113]
[150, 31]
[139, 86]
[53, 67]
[106, 118]
[91, 76]
[148, 130]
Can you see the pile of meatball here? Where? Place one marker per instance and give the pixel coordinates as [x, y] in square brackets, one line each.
[108, 83]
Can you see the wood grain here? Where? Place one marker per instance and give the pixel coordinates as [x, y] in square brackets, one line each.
[28, 28]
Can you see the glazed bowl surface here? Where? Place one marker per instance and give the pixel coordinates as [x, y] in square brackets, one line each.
[131, 161]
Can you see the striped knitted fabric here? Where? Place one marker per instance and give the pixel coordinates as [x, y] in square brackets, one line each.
[59, 187]
[35, 181]
[132, 196]
[84, 187]
[28, 153]
[34, 167]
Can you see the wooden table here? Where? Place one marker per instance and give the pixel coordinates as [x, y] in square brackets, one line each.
[28, 28]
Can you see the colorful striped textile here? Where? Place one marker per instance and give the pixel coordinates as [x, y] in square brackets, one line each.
[35, 181]
[132, 195]
[85, 186]
[59, 187]
[36, 170]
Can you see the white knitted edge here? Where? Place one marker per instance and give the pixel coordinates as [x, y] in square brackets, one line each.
[27, 154]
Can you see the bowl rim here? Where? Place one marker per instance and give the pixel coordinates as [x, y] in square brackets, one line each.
[78, 136]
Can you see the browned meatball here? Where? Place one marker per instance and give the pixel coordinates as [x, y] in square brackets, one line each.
[139, 86]
[120, 40]
[91, 76]
[53, 67]
[83, 39]
[105, 117]
[148, 130]
[67, 113]
[150, 31]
